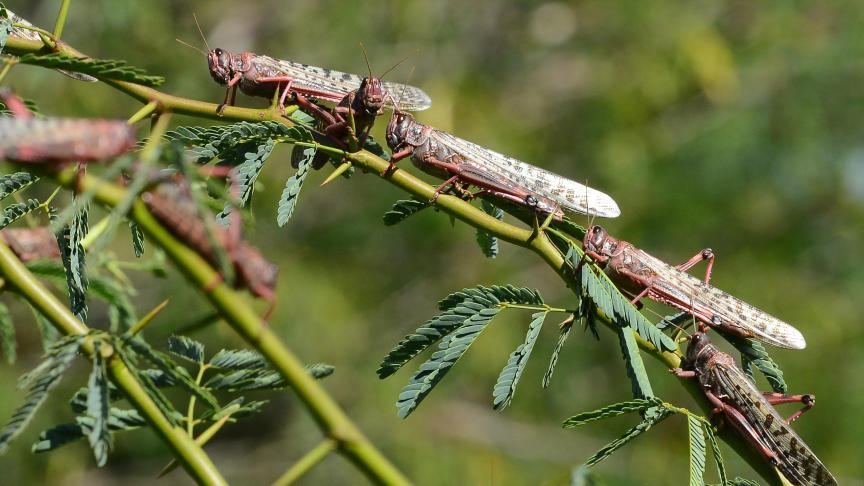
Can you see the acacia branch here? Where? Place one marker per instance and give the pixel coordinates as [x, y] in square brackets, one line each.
[454, 206]
[193, 458]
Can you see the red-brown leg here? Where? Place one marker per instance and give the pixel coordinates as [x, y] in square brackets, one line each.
[15, 104]
[778, 398]
[706, 254]
[440, 189]
[737, 420]
[230, 94]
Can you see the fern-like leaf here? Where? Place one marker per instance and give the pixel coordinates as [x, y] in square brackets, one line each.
[186, 348]
[12, 183]
[505, 387]
[488, 243]
[99, 436]
[566, 327]
[631, 434]
[402, 209]
[112, 69]
[449, 351]
[291, 192]
[248, 159]
[753, 353]
[7, 335]
[715, 450]
[250, 379]
[697, 451]
[455, 309]
[16, 211]
[147, 380]
[137, 239]
[620, 408]
[40, 381]
[72, 254]
[237, 359]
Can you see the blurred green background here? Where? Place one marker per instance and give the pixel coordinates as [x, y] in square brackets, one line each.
[725, 124]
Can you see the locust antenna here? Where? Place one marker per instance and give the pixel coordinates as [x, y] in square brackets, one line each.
[398, 63]
[191, 46]
[200, 31]
[366, 57]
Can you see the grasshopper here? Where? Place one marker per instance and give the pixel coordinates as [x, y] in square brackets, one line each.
[640, 274]
[23, 29]
[752, 414]
[176, 210]
[461, 162]
[25, 138]
[30, 244]
[264, 76]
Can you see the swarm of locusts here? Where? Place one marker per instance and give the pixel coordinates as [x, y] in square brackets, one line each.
[346, 106]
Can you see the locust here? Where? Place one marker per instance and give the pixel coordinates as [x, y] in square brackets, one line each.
[174, 207]
[639, 274]
[24, 138]
[461, 162]
[30, 244]
[351, 120]
[264, 76]
[23, 29]
[751, 413]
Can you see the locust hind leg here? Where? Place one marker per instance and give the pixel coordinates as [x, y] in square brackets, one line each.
[230, 94]
[778, 398]
[705, 254]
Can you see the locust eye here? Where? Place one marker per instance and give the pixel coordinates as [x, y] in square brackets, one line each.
[219, 52]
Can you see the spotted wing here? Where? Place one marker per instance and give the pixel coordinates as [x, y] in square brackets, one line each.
[21, 32]
[796, 461]
[571, 195]
[717, 307]
[333, 85]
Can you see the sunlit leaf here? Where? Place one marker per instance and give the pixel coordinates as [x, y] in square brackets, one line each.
[505, 387]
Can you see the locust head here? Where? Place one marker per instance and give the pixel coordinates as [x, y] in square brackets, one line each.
[698, 351]
[372, 95]
[599, 244]
[398, 128]
[220, 64]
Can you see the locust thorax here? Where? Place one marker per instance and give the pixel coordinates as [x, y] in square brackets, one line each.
[397, 129]
[219, 62]
[372, 95]
[599, 244]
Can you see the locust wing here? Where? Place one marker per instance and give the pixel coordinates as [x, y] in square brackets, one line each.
[333, 85]
[716, 307]
[796, 461]
[571, 195]
[20, 30]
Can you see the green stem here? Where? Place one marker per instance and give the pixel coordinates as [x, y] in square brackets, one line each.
[190, 411]
[307, 462]
[61, 19]
[451, 205]
[196, 462]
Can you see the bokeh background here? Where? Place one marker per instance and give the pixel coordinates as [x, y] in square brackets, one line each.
[723, 124]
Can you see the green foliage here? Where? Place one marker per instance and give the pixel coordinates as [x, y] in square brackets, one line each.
[697, 450]
[107, 69]
[488, 243]
[237, 359]
[16, 211]
[455, 309]
[291, 192]
[216, 141]
[753, 353]
[186, 348]
[402, 209]
[505, 387]
[649, 421]
[373, 146]
[39, 383]
[718, 458]
[137, 239]
[72, 254]
[248, 160]
[17, 181]
[465, 314]
[99, 436]
[638, 405]
[565, 329]
[7, 334]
